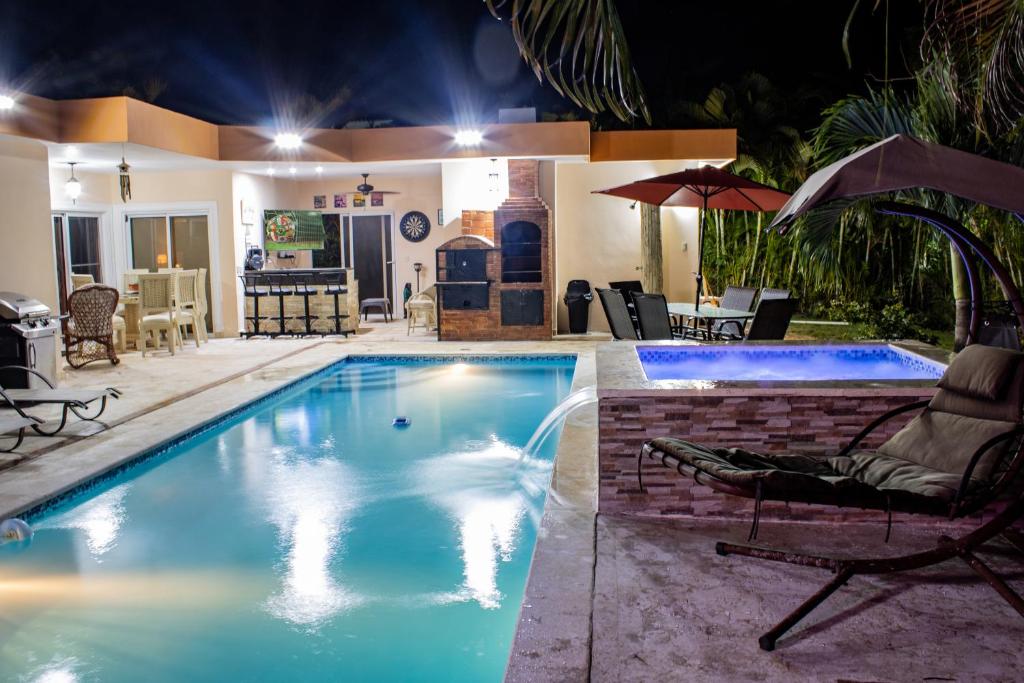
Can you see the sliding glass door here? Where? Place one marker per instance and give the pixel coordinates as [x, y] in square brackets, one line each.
[76, 242]
[169, 241]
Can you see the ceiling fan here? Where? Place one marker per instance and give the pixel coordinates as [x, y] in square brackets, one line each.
[366, 188]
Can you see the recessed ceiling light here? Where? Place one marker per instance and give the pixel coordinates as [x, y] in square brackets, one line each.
[6, 102]
[319, 169]
[288, 140]
[292, 170]
[271, 171]
[467, 138]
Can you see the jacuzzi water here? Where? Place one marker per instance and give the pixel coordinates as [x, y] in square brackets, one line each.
[306, 539]
[787, 362]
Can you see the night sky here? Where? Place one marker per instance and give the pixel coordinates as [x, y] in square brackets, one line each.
[417, 62]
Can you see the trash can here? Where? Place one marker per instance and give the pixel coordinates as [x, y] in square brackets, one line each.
[577, 300]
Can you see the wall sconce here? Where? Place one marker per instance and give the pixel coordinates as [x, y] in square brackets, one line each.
[492, 177]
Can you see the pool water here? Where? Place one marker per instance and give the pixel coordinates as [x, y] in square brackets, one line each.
[306, 539]
[788, 362]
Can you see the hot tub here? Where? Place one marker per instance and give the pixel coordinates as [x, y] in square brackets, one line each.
[763, 396]
[790, 362]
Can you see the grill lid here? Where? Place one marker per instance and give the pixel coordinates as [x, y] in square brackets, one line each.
[14, 307]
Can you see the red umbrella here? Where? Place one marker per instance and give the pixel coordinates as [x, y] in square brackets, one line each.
[705, 188]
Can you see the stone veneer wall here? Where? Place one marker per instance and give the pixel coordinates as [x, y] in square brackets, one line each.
[815, 424]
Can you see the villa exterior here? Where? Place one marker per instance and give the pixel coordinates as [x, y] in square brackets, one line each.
[205, 187]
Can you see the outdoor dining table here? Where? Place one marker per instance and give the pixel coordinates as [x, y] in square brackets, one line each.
[709, 314]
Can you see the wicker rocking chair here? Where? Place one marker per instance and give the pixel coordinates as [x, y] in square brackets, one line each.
[90, 327]
[961, 454]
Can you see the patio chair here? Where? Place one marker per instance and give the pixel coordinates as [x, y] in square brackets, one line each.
[771, 321]
[652, 314]
[627, 288]
[79, 280]
[187, 305]
[89, 335]
[76, 401]
[738, 299]
[158, 310]
[615, 310]
[421, 309]
[202, 304]
[772, 293]
[961, 454]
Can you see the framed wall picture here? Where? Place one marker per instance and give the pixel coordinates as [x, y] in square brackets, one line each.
[248, 213]
[340, 201]
[359, 200]
[319, 201]
[376, 199]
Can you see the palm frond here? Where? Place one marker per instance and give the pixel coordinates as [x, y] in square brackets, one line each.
[578, 47]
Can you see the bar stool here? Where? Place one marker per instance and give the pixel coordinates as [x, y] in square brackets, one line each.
[334, 287]
[252, 290]
[278, 285]
[301, 287]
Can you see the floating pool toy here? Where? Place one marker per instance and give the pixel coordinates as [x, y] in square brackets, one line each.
[401, 421]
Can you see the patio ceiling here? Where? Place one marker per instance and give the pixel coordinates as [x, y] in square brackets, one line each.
[125, 120]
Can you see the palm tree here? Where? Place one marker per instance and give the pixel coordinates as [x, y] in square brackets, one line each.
[580, 49]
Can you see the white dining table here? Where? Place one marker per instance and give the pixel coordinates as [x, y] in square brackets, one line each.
[709, 314]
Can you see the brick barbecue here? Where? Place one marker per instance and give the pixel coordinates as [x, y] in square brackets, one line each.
[504, 291]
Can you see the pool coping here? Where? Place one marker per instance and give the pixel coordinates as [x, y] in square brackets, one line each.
[619, 373]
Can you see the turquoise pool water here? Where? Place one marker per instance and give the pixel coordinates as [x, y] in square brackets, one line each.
[306, 539]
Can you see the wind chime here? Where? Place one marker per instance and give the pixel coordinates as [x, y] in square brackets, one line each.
[124, 180]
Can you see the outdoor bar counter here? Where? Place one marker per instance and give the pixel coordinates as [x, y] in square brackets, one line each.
[293, 282]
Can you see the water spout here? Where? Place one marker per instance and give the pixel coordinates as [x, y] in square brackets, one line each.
[554, 419]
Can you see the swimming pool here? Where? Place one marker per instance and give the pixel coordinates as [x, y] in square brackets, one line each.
[304, 539]
[789, 362]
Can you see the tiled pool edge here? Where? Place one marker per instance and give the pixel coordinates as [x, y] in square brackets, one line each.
[553, 636]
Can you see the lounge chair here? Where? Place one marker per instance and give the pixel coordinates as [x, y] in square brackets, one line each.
[614, 305]
[652, 314]
[771, 321]
[76, 401]
[962, 453]
[14, 424]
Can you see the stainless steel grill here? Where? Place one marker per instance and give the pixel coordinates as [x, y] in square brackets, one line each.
[28, 337]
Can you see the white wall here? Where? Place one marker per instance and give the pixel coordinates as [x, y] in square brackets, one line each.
[27, 263]
[419, 192]
[466, 187]
[597, 237]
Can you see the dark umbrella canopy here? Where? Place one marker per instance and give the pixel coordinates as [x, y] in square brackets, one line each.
[705, 188]
[720, 189]
[901, 163]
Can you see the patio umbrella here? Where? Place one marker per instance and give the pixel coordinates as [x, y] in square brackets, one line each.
[705, 188]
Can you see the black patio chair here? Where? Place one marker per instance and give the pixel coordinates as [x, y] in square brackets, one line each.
[627, 288]
[771, 320]
[771, 293]
[652, 313]
[738, 299]
[615, 310]
[960, 455]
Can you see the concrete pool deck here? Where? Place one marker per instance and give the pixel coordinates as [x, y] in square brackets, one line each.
[609, 598]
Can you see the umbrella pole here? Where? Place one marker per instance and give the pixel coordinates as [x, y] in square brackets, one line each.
[701, 229]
